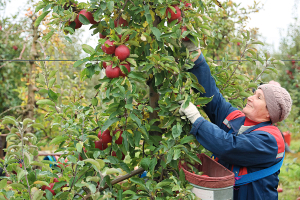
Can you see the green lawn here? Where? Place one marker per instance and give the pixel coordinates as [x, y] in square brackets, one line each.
[289, 178]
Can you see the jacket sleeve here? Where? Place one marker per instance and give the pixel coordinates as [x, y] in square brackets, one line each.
[218, 108]
[257, 148]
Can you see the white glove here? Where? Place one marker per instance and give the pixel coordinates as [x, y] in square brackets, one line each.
[191, 112]
[190, 45]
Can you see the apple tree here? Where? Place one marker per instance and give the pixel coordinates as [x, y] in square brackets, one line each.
[131, 123]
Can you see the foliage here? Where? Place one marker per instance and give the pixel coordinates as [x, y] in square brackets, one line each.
[154, 134]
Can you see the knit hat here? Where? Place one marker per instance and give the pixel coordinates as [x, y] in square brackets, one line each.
[279, 102]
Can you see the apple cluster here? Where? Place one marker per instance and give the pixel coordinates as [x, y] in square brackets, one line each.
[177, 16]
[50, 187]
[105, 138]
[121, 52]
[85, 13]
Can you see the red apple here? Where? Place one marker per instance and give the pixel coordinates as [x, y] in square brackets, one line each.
[50, 188]
[238, 43]
[105, 136]
[15, 47]
[122, 52]
[55, 180]
[120, 139]
[279, 189]
[293, 62]
[77, 22]
[100, 145]
[120, 22]
[80, 158]
[203, 175]
[44, 187]
[104, 64]
[109, 50]
[88, 15]
[101, 35]
[0, 28]
[188, 5]
[174, 16]
[114, 154]
[127, 67]
[182, 30]
[112, 72]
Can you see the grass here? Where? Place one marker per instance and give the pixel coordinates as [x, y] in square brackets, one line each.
[289, 177]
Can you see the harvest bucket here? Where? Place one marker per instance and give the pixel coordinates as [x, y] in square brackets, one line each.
[217, 186]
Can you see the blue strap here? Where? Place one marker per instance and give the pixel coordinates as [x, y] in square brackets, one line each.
[254, 176]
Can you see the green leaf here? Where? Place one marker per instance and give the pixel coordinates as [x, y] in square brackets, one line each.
[40, 18]
[194, 157]
[163, 184]
[3, 183]
[83, 19]
[156, 32]
[69, 29]
[79, 147]
[38, 194]
[41, 183]
[253, 53]
[9, 120]
[93, 162]
[177, 153]
[135, 118]
[52, 95]
[257, 42]
[68, 38]
[187, 139]
[235, 40]
[145, 162]
[51, 82]
[131, 61]
[94, 101]
[138, 181]
[108, 123]
[48, 36]
[244, 94]
[176, 130]
[198, 87]
[59, 184]
[58, 139]
[110, 6]
[39, 6]
[17, 185]
[112, 171]
[45, 102]
[78, 63]
[88, 49]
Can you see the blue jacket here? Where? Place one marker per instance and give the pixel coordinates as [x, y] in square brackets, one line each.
[251, 146]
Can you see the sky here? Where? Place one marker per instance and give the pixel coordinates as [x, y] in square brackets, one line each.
[274, 18]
